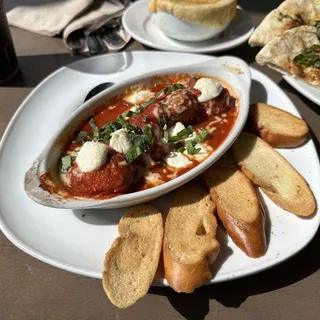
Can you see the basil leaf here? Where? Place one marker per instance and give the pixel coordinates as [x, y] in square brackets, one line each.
[141, 144]
[181, 134]
[173, 87]
[148, 135]
[83, 137]
[133, 154]
[182, 149]
[316, 23]
[126, 124]
[309, 57]
[129, 113]
[190, 146]
[115, 126]
[284, 16]
[95, 129]
[202, 135]
[66, 163]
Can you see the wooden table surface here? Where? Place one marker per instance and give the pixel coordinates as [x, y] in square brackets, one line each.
[32, 290]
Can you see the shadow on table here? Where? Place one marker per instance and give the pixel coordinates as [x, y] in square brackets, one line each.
[33, 69]
[234, 293]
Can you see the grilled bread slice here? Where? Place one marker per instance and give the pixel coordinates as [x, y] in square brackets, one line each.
[131, 263]
[277, 127]
[266, 168]
[190, 246]
[239, 209]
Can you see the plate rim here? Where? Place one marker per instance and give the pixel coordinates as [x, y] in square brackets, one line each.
[296, 84]
[208, 49]
[11, 236]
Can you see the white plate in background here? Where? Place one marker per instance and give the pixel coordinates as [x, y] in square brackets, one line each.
[308, 91]
[138, 23]
[77, 240]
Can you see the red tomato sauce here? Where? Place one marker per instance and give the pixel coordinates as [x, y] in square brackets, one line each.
[220, 125]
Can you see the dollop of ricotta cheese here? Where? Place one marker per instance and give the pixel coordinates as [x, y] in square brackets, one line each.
[209, 89]
[92, 156]
[177, 160]
[120, 141]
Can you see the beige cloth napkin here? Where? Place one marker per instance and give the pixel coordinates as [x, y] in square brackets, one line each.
[92, 26]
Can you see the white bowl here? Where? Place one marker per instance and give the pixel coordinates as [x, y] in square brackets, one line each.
[184, 31]
[230, 69]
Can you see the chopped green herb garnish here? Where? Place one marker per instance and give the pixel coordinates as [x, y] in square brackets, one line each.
[316, 23]
[133, 154]
[66, 163]
[202, 135]
[284, 16]
[182, 149]
[141, 144]
[83, 137]
[173, 87]
[95, 129]
[129, 114]
[125, 124]
[309, 57]
[182, 134]
[190, 146]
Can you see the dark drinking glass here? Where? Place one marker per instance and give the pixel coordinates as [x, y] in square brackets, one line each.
[8, 59]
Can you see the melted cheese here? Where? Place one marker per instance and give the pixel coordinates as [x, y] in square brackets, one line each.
[92, 156]
[209, 89]
[177, 160]
[174, 130]
[139, 96]
[153, 178]
[120, 141]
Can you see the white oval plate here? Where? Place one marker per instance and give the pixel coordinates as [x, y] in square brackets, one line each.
[309, 92]
[138, 23]
[77, 240]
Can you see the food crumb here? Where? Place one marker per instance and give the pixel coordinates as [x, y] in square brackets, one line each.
[83, 215]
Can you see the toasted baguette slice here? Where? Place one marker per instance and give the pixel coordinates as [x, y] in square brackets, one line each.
[266, 168]
[190, 246]
[277, 127]
[239, 209]
[131, 263]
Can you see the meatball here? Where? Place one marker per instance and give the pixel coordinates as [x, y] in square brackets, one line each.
[181, 105]
[221, 104]
[115, 177]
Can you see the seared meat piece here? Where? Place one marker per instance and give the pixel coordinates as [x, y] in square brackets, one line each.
[115, 177]
[181, 105]
[220, 104]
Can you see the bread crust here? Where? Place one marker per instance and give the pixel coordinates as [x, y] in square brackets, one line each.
[209, 13]
[279, 53]
[286, 138]
[131, 263]
[245, 220]
[183, 275]
[290, 14]
[278, 179]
